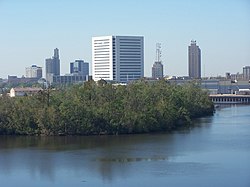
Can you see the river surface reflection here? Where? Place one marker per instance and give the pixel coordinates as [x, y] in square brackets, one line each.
[214, 152]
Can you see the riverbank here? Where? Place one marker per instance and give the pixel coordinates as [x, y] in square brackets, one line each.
[208, 154]
[101, 108]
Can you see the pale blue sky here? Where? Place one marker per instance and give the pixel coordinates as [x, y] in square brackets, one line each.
[31, 29]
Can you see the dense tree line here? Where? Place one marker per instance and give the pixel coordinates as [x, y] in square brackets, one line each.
[101, 108]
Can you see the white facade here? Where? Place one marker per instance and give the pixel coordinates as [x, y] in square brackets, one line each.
[34, 72]
[102, 58]
[118, 58]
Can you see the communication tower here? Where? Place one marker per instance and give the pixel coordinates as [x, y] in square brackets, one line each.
[158, 52]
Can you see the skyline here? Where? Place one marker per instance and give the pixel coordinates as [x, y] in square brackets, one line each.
[31, 30]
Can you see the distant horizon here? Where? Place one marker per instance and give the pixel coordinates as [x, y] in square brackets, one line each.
[30, 30]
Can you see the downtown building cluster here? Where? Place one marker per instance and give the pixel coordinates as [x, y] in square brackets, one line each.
[79, 71]
[118, 59]
[114, 58]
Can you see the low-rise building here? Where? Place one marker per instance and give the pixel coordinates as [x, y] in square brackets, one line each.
[69, 79]
[16, 80]
[14, 92]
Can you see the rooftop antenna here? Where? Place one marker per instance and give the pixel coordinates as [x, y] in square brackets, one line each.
[158, 52]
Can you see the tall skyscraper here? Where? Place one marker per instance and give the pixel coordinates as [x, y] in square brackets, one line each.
[79, 67]
[246, 73]
[194, 61]
[34, 72]
[118, 58]
[52, 66]
[157, 69]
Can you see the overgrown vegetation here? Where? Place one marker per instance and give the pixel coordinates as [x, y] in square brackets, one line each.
[100, 108]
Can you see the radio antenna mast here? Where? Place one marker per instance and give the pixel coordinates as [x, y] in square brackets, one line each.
[158, 52]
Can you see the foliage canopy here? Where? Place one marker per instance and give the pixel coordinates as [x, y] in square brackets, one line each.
[100, 108]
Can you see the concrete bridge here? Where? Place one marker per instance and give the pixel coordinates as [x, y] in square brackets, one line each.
[230, 99]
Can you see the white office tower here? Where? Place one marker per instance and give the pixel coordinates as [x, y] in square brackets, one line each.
[34, 72]
[118, 58]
